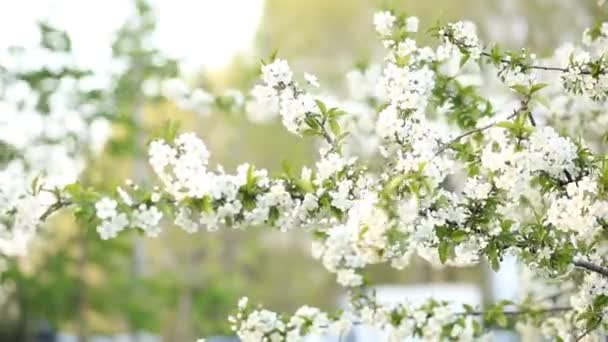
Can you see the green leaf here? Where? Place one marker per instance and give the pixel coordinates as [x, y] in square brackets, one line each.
[273, 215]
[54, 39]
[458, 235]
[543, 101]
[250, 178]
[501, 320]
[311, 133]
[305, 185]
[537, 87]
[495, 54]
[322, 107]
[170, 129]
[444, 251]
[206, 204]
[334, 113]
[600, 302]
[271, 58]
[363, 230]
[492, 251]
[393, 184]
[35, 185]
[287, 168]
[273, 55]
[312, 123]
[335, 127]
[506, 124]
[521, 89]
[73, 189]
[463, 60]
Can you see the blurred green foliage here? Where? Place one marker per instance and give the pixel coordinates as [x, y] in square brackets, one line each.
[190, 283]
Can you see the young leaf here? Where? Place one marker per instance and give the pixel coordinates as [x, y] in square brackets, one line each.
[322, 107]
[444, 250]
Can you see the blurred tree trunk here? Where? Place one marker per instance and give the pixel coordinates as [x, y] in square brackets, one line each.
[81, 324]
[22, 327]
[183, 317]
[139, 171]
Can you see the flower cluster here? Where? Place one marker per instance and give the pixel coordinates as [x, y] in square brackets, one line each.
[408, 88]
[391, 26]
[360, 241]
[587, 76]
[384, 22]
[281, 91]
[250, 197]
[578, 210]
[514, 69]
[115, 216]
[430, 320]
[112, 223]
[265, 325]
[21, 206]
[182, 167]
[550, 153]
[462, 35]
[594, 289]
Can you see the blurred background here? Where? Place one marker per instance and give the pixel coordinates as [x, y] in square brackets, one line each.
[179, 287]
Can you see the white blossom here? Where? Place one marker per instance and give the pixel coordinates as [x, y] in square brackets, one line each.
[411, 24]
[277, 72]
[106, 208]
[148, 219]
[110, 228]
[311, 79]
[384, 21]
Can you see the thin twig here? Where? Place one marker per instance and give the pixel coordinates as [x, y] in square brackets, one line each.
[555, 296]
[551, 310]
[588, 330]
[523, 108]
[581, 336]
[473, 131]
[531, 118]
[537, 67]
[508, 61]
[324, 131]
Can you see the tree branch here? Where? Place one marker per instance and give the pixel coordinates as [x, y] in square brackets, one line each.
[53, 208]
[589, 266]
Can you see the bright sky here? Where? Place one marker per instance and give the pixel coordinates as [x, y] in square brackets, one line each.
[204, 33]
